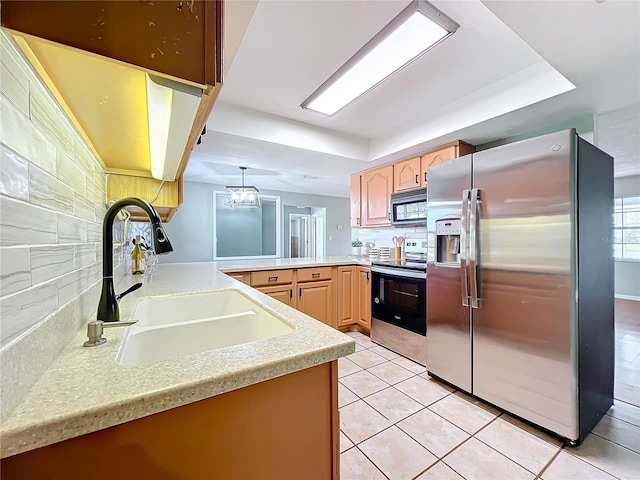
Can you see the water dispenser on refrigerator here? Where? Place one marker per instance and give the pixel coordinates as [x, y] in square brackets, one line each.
[448, 232]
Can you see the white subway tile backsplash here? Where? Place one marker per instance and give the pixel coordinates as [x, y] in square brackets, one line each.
[69, 173]
[20, 311]
[71, 285]
[14, 174]
[85, 255]
[51, 120]
[13, 80]
[72, 229]
[94, 231]
[84, 208]
[96, 193]
[50, 262]
[85, 159]
[47, 191]
[15, 272]
[24, 224]
[19, 134]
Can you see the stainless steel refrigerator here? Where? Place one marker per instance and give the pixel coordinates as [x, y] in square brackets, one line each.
[520, 296]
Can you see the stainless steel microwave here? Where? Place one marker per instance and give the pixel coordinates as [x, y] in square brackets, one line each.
[409, 207]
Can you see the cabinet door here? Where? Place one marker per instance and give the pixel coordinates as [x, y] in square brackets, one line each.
[376, 192]
[354, 195]
[347, 296]
[406, 174]
[364, 297]
[244, 277]
[316, 300]
[283, 293]
[434, 158]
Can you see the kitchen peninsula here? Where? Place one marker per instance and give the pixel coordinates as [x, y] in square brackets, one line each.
[233, 412]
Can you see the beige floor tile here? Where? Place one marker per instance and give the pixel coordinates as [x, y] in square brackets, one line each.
[520, 446]
[359, 347]
[345, 396]
[568, 467]
[365, 342]
[475, 460]
[627, 392]
[360, 421]
[410, 365]
[397, 455]
[619, 431]
[345, 443]
[354, 334]
[625, 411]
[478, 403]
[440, 471]
[608, 456]
[390, 372]
[385, 352]
[366, 358]
[393, 404]
[355, 466]
[433, 432]
[422, 390]
[426, 376]
[347, 367]
[461, 413]
[532, 430]
[363, 383]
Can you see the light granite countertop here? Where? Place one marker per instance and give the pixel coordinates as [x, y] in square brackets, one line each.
[85, 390]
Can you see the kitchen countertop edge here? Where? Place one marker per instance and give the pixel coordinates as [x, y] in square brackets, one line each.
[94, 392]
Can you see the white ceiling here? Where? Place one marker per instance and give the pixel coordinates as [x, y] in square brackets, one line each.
[510, 68]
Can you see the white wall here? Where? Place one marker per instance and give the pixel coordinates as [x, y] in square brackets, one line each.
[627, 275]
[191, 228]
[52, 197]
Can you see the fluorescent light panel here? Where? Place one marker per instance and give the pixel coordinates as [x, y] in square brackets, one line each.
[414, 31]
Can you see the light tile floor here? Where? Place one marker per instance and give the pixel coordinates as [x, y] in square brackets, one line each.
[398, 423]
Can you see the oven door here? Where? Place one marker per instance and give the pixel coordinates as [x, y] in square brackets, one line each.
[398, 297]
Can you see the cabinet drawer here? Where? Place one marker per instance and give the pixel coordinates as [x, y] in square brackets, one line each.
[271, 277]
[312, 274]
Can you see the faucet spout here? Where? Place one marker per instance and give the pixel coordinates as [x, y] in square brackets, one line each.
[108, 310]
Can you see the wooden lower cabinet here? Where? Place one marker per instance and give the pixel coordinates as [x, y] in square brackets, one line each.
[364, 297]
[287, 427]
[283, 293]
[347, 296]
[244, 277]
[316, 300]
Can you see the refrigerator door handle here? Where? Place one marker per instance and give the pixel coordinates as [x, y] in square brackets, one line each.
[475, 212]
[464, 249]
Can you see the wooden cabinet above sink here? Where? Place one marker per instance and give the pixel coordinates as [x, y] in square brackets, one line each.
[97, 58]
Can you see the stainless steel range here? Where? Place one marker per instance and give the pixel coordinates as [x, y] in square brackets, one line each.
[399, 301]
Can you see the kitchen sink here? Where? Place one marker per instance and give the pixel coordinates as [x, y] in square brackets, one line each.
[174, 326]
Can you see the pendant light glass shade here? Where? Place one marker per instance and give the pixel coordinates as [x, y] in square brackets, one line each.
[242, 196]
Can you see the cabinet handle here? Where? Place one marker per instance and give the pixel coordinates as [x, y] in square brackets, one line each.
[367, 275]
[358, 221]
[425, 176]
[291, 293]
[273, 279]
[300, 292]
[389, 215]
[315, 275]
[417, 178]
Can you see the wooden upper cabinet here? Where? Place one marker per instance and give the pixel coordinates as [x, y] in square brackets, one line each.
[444, 154]
[406, 174]
[377, 185]
[157, 36]
[354, 195]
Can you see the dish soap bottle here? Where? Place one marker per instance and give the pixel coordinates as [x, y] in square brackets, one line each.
[137, 257]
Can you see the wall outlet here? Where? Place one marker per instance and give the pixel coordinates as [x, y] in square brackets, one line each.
[330, 238]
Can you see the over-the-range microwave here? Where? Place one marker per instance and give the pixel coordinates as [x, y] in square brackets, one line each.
[409, 207]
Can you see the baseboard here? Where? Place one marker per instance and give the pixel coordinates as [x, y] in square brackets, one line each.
[628, 297]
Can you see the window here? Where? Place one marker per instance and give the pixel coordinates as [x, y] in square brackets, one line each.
[626, 228]
[241, 233]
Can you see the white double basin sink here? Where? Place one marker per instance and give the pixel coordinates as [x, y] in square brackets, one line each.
[173, 326]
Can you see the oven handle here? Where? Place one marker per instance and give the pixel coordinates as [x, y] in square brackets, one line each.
[397, 272]
[464, 249]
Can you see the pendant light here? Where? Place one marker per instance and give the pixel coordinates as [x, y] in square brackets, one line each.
[242, 196]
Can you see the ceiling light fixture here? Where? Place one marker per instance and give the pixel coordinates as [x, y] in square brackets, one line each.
[241, 196]
[415, 30]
